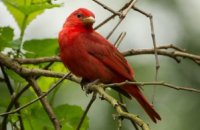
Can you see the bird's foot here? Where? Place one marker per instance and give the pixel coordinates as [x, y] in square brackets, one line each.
[86, 86]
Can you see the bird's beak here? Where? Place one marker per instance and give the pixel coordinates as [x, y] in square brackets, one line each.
[89, 20]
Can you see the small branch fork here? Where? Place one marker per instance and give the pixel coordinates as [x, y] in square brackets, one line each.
[31, 75]
[45, 103]
[121, 113]
[170, 51]
[161, 83]
[11, 64]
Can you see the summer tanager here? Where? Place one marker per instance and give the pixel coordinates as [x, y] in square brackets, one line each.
[89, 55]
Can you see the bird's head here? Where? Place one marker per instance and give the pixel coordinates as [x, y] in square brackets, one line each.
[81, 18]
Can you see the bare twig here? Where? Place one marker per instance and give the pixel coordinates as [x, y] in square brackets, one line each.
[122, 16]
[126, 110]
[32, 74]
[45, 104]
[12, 92]
[172, 54]
[37, 60]
[98, 88]
[25, 72]
[86, 110]
[171, 46]
[19, 94]
[155, 83]
[107, 8]
[154, 45]
[115, 27]
[119, 39]
[112, 16]
[35, 100]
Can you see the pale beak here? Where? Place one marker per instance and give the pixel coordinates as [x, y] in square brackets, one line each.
[89, 20]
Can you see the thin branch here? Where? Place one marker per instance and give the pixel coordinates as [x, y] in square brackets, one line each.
[7, 80]
[115, 27]
[98, 88]
[171, 46]
[186, 55]
[126, 110]
[122, 16]
[19, 94]
[152, 33]
[154, 45]
[25, 72]
[86, 110]
[119, 39]
[12, 92]
[125, 12]
[107, 8]
[45, 104]
[172, 54]
[37, 60]
[39, 72]
[154, 83]
[112, 16]
[35, 100]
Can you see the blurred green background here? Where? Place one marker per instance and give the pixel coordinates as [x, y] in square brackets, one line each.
[175, 22]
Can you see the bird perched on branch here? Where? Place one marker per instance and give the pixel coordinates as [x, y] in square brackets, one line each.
[89, 55]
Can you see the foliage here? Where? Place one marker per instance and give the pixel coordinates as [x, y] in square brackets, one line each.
[25, 11]
[168, 102]
[34, 117]
[6, 36]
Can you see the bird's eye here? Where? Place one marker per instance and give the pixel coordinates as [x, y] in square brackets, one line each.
[79, 15]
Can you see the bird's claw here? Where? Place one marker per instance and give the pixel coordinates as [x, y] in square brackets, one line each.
[86, 86]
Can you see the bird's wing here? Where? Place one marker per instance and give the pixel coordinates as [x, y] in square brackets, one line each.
[100, 48]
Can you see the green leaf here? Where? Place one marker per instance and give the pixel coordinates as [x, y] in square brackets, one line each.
[41, 48]
[15, 77]
[69, 116]
[6, 36]
[24, 11]
[4, 98]
[15, 44]
[47, 82]
[36, 119]
[29, 9]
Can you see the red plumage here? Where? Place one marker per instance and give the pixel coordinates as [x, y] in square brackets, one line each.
[89, 55]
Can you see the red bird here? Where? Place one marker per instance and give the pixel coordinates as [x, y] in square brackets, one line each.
[89, 55]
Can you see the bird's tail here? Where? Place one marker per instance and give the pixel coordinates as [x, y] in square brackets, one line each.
[134, 91]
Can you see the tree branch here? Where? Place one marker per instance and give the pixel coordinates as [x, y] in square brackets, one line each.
[122, 16]
[154, 83]
[150, 16]
[112, 16]
[175, 54]
[86, 110]
[12, 93]
[41, 96]
[16, 96]
[45, 104]
[37, 60]
[99, 88]
[107, 8]
[25, 72]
